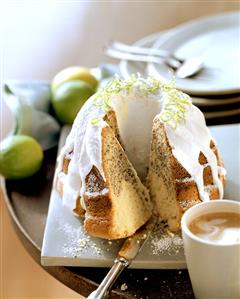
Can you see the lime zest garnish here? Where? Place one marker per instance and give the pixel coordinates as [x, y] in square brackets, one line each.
[115, 86]
[175, 107]
[175, 102]
[95, 121]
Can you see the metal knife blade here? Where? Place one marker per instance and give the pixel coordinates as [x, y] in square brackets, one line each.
[129, 250]
[133, 245]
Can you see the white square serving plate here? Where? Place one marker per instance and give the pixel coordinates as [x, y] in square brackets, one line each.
[66, 243]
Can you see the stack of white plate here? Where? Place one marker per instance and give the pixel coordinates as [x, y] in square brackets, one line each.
[216, 89]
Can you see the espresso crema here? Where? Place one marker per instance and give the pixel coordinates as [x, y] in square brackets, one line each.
[218, 227]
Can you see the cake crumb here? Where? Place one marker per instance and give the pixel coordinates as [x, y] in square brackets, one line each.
[124, 287]
[170, 233]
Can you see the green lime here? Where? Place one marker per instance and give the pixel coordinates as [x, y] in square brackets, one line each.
[20, 157]
[68, 98]
[74, 73]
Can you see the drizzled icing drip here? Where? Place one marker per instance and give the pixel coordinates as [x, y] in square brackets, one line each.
[84, 142]
[188, 140]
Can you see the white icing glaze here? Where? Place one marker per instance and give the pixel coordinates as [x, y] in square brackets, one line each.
[135, 112]
[187, 141]
[84, 141]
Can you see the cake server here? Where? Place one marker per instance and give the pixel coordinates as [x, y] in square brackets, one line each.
[129, 250]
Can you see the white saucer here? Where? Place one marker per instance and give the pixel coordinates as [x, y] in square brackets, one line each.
[216, 101]
[222, 114]
[132, 67]
[217, 39]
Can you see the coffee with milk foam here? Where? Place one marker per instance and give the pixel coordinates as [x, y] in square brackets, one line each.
[217, 227]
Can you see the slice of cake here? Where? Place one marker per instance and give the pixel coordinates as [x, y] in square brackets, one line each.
[185, 166]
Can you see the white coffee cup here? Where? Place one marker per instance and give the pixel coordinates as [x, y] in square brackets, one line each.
[214, 269]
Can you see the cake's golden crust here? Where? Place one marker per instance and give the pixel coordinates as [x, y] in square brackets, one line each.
[187, 194]
[98, 217]
[216, 152]
[207, 175]
[213, 192]
[186, 191]
[65, 165]
[98, 228]
[79, 210]
[202, 159]
[179, 171]
[185, 204]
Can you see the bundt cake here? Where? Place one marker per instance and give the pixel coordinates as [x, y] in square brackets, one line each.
[137, 146]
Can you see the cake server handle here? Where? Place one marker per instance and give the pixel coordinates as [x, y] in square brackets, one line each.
[103, 289]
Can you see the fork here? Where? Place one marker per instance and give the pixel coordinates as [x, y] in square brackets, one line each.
[183, 68]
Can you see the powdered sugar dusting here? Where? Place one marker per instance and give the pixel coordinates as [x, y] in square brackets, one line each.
[77, 242]
[165, 242]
